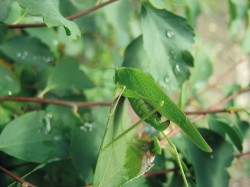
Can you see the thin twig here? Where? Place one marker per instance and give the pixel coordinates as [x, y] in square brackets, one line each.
[221, 77]
[23, 182]
[56, 102]
[243, 155]
[74, 16]
[159, 172]
[199, 112]
[76, 105]
[221, 102]
[90, 10]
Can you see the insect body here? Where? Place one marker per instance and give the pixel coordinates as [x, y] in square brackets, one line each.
[142, 108]
[139, 85]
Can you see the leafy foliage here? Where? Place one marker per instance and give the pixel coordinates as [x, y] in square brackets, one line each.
[49, 10]
[205, 163]
[29, 138]
[8, 84]
[58, 124]
[32, 53]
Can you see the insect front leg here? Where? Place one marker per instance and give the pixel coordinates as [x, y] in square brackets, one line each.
[135, 125]
[118, 92]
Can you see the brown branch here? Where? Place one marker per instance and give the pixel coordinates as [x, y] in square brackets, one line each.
[56, 102]
[23, 182]
[93, 104]
[202, 112]
[223, 101]
[159, 172]
[74, 16]
[245, 155]
[90, 10]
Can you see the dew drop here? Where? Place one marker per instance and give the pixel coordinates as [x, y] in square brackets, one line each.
[55, 42]
[167, 79]
[25, 53]
[56, 138]
[47, 118]
[87, 127]
[177, 69]
[172, 54]
[47, 59]
[83, 128]
[170, 34]
[9, 93]
[19, 55]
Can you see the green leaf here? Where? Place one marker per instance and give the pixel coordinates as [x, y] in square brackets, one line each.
[27, 50]
[167, 39]
[232, 131]
[32, 138]
[49, 10]
[83, 153]
[243, 126]
[47, 36]
[140, 181]
[68, 75]
[192, 11]
[210, 169]
[9, 85]
[203, 66]
[246, 39]
[238, 10]
[3, 11]
[141, 85]
[136, 56]
[119, 12]
[232, 89]
[3, 30]
[5, 116]
[125, 159]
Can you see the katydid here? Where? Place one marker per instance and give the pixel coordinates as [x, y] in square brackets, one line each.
[150, 103]
[139, 85]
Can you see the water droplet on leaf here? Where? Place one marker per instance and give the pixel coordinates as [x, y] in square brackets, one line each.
[167, 79]
[18, 55]
[177, 69]
[56, 138]
[47, 118]
[82, 128]
[172, 52]
[55, 42]
[170, 34]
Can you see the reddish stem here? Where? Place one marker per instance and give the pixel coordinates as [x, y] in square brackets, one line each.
[23, 182]
[56, 102]
[159, 172]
